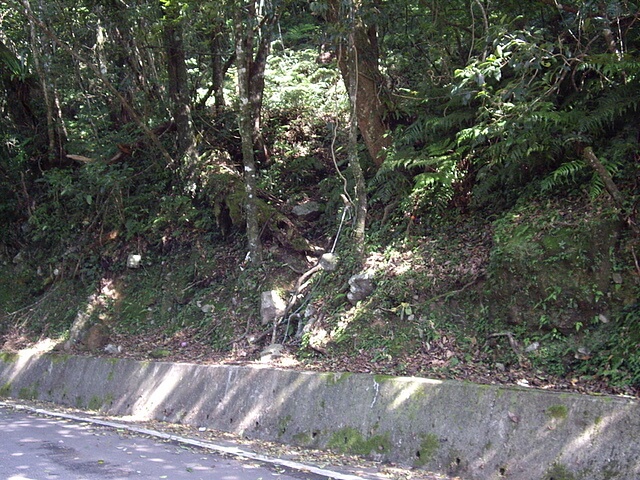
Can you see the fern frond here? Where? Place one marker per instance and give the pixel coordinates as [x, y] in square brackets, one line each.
[564, 174]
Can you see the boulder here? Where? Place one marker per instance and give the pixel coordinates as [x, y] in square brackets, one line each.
[360, 287]
[307, 211]
[272, 307]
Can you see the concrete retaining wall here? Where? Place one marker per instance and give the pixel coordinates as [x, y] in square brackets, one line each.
[474, 431]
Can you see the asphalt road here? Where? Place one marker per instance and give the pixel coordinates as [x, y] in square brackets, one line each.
[36, 447]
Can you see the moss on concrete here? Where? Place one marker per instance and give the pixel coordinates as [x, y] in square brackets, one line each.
[337, 378]
[59, 357]
[429, 446]
[559, 472]
[283, 423]
[29, 393]
[383, 378]
[558, 411]
[95, 403]
[350, 440]
[8, 357]
[5, 390]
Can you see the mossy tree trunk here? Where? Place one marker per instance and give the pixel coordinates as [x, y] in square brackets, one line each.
[252, 49]
[359, 56]
[179, 88]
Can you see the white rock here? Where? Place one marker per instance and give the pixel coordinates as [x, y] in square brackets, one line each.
[272, 306]
[133, 261]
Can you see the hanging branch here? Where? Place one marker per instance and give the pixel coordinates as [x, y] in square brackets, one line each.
[127, 106]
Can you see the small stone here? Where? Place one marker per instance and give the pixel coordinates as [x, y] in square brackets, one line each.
[603, 318]
[272, 352]
[617, 278]
[113, 349]
[134, 260]
[532, 347]
[329, 262]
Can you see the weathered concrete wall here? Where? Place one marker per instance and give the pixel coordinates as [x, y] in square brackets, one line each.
[474, 431]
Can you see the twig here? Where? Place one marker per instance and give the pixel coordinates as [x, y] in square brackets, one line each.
[513, 343]
[454, 292]
[635, 259]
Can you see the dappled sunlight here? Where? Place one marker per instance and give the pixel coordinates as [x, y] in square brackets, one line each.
[408, 387]
[496, 428]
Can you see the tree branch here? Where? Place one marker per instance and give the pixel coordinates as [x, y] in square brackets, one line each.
[154, 139]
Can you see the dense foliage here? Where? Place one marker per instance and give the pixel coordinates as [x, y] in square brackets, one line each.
[127, 125]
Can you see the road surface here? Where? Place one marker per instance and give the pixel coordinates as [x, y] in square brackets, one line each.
[36, 447]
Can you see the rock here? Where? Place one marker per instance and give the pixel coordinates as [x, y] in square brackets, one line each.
[97, 337]
[307, 211]
[328, 262]
[360, 286]
[133, 261]
[272, 352]
[532, 347]
[113, 349]
[272, 306]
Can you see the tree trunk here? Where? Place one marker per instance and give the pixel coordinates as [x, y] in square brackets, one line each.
[218, 69]
[354, 163]
[244, 37]
[179, 89]
[55, 134]
[361, 55]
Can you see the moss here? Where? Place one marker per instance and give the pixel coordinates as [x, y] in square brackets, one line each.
[428, 448]
[336, 378]
[8, 357]
[558, 411]
[350, 440]
[383, 378]
[59, 357]
[95, 403]
[29, 393]
[160, 353]
[5, 390]
[283, 423]
[559, 472]
[302, 438]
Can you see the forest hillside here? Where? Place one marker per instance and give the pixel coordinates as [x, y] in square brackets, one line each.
[434, 188]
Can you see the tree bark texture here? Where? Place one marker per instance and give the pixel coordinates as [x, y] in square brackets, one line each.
[103, 78]
[245, 39]
[55, 133]
[373, 99]
[179, 89]
[354, 164]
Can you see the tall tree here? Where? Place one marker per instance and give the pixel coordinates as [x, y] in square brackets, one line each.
[358, 58]
[178, 83]
[253, 23]
[55, 126]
